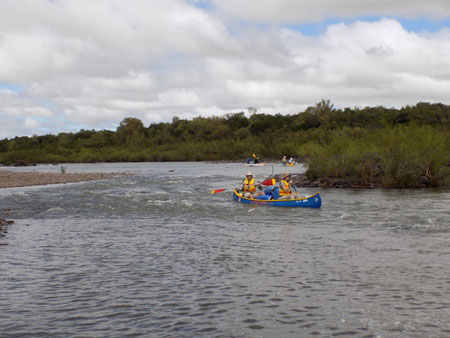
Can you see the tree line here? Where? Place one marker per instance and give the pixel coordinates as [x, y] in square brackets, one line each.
[318, 134]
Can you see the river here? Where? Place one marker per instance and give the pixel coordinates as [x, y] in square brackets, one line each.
[156, 254]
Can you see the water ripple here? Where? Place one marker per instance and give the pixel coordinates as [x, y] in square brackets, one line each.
[140, 257]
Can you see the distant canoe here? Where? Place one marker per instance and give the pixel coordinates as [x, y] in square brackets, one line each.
[255, 164]
[313, 201]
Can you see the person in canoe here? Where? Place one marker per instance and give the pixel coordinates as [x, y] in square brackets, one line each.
[249, 186]
[286, 188]
[255, 158]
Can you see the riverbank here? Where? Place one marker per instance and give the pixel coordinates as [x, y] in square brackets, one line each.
[11, 179]
[302, 180]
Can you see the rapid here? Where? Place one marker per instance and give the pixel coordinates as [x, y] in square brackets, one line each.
[156, 254]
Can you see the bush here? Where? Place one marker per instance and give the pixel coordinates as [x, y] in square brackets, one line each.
[394, 157]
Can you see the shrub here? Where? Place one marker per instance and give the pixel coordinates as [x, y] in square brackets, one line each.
[395, 157]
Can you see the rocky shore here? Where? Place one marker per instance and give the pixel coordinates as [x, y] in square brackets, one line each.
[301, 180]
[10, 179]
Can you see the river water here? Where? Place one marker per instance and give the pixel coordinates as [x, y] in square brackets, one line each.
[156, 254]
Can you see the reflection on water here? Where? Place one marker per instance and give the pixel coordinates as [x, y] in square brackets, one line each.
[157, 254]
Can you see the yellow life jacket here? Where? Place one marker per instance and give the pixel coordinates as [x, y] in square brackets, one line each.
[249, 186]
[282, 192]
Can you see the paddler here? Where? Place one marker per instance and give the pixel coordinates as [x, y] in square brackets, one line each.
[249, 186]
[286, 192]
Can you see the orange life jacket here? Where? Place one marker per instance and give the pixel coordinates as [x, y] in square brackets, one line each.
[249, 186]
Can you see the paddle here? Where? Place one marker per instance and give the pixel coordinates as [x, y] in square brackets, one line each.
[268, 182]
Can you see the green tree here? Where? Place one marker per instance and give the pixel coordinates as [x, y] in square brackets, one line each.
[129, 128]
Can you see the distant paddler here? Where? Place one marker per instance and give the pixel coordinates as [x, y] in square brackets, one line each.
[255, 158]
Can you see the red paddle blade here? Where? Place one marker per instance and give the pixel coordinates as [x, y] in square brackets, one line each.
[216, 191]
[269, 182]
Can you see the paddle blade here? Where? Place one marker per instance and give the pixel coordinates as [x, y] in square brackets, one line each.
[269, 182]
[217, 191]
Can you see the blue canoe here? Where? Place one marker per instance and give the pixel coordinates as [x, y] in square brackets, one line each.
[313, 201]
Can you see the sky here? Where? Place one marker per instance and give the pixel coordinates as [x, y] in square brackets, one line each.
[67, 65]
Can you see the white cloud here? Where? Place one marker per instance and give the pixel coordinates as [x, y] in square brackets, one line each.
[91, 115]
[301, 11]
[92, 63]
[13, 103]
[31, 123]
[179, 97]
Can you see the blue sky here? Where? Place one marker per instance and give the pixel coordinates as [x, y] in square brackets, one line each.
[418, 25]
[424, 25]
[89, 64]
[9, 86]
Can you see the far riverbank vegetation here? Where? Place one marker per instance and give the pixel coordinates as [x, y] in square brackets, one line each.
[373, 146]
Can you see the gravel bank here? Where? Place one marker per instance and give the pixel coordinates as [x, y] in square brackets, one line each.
[10, 179]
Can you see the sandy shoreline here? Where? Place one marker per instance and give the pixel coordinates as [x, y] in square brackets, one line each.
[10, 179]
